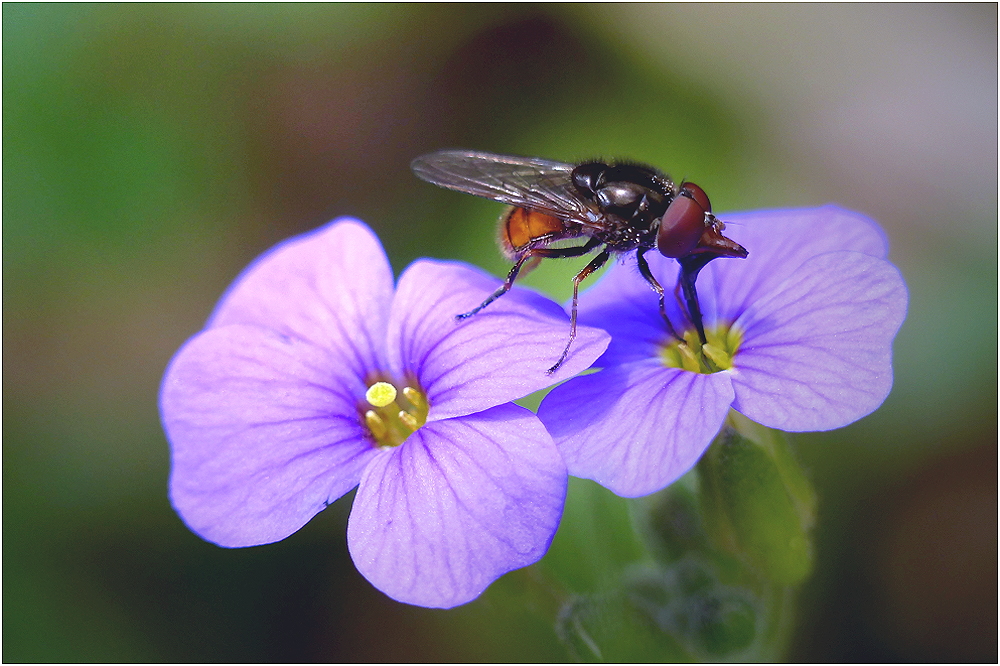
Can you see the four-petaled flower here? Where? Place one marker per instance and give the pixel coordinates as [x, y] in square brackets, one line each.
[315, 375]
[799, 338]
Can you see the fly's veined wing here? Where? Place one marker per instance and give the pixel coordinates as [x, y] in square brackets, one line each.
[526, 182]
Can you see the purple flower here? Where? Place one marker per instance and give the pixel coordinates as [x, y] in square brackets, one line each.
[799, 338]
[315, 375]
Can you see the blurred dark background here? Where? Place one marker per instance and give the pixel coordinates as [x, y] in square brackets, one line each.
[151, 151]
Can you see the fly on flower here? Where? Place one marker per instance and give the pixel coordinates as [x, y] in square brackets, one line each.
[799, 339]
[617, 207]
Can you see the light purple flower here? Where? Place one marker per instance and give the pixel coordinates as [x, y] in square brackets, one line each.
[799, 334]
[272, 415]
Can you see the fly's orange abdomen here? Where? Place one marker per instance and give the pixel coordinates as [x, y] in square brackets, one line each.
[520, 226]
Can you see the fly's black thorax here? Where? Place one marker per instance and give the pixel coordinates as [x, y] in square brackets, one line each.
[631, 197]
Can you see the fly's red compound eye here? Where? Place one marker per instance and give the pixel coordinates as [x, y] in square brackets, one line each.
[698, 194]
[681, 227]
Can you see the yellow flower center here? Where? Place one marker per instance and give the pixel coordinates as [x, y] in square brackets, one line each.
[390, 415]
[715, 355]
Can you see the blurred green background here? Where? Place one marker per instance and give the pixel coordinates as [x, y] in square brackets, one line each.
[151, 151]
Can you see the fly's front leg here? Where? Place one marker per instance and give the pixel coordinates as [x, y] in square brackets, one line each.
[651, 281]
[535, 254]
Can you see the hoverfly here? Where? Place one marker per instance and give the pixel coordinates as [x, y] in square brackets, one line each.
[617, 207]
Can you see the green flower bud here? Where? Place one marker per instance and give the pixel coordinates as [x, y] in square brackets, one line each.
[758, 504]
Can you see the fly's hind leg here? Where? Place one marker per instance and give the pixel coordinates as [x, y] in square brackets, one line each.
[534, 254]
[594, 264]
[503, 289]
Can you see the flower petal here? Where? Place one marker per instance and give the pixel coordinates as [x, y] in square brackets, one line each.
[817, 354]
[457, 505]
[264, 433]
[496, 356]
[808, 231]
[332, 286]
[779, 241]
[637, 427]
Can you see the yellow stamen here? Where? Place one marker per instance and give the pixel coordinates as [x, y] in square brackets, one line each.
[415, 397]
[408, 420]
[721, 359]
[376, 425]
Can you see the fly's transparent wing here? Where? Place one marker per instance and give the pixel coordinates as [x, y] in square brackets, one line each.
[525, 182]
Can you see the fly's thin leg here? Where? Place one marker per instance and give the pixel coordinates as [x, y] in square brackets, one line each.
[535, 254]
[503, 289]
[651, 281]
[594, 264]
